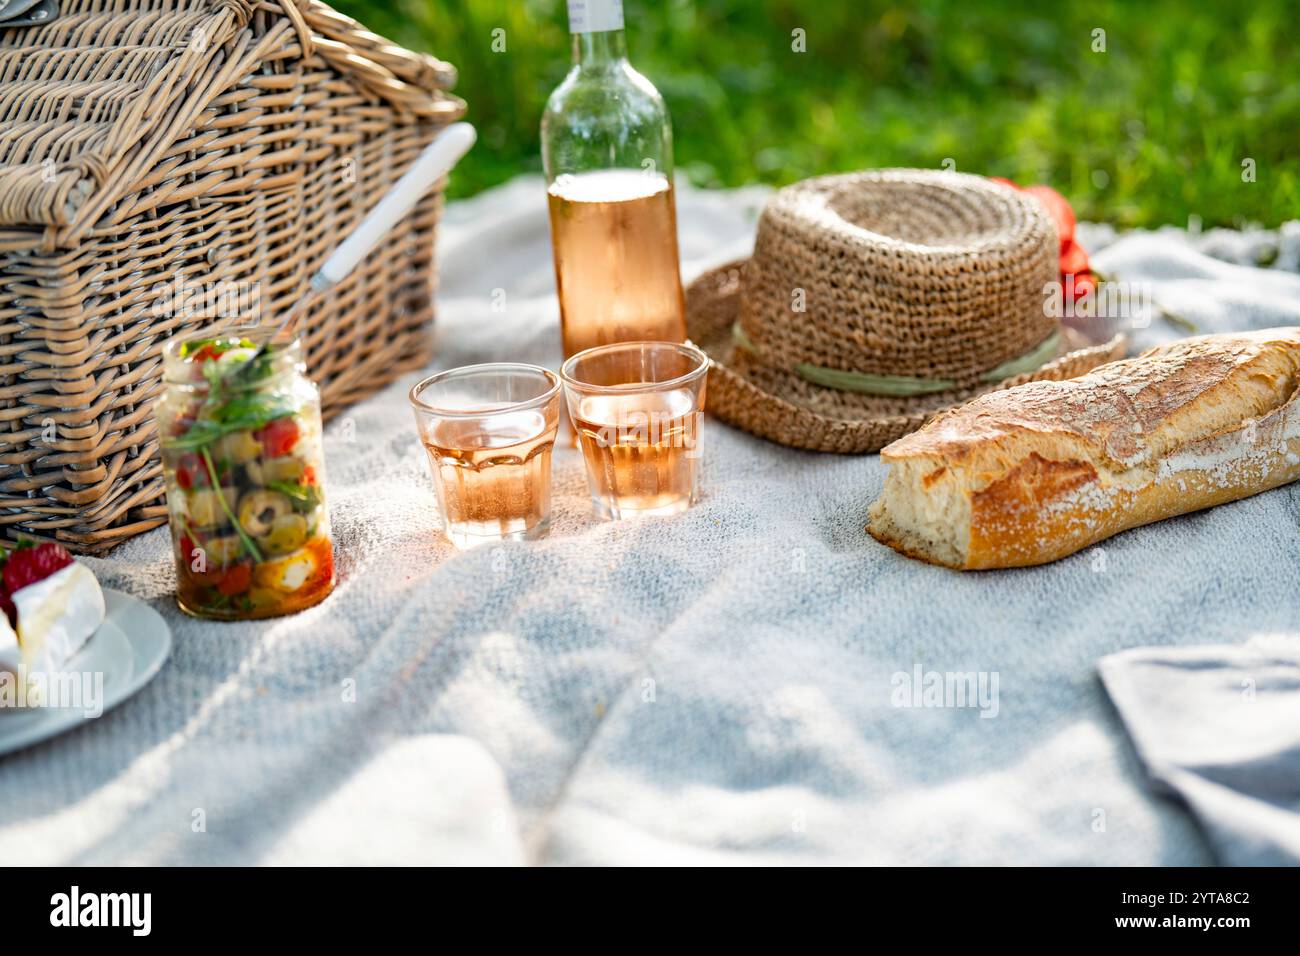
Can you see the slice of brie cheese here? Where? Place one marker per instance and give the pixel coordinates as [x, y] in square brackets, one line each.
[11, 655]
[56, 616]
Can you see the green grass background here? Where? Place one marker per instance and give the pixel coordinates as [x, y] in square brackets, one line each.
[1151, 131]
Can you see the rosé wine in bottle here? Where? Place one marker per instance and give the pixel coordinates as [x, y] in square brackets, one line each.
[607, 153]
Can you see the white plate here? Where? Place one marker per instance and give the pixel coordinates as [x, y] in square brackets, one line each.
[128, 649]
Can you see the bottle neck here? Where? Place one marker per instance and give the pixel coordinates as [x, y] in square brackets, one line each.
[598, 50]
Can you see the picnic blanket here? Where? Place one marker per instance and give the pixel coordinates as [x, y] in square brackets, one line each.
[746, 682]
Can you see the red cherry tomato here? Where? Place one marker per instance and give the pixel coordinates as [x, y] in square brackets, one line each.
[206, 353]
[237, 580]
[190, 471]
[209, 577]
[279, 437]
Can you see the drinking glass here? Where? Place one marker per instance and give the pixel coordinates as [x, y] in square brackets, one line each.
[489, 431]
[637, 409]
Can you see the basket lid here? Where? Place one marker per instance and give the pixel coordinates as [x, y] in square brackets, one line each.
[92, 101]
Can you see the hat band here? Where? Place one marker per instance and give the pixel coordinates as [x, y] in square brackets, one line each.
[904, 386]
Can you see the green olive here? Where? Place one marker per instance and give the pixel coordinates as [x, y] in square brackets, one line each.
[287, 534]
[258, 510]
[238, 447]
[287, 468]
[204, 507]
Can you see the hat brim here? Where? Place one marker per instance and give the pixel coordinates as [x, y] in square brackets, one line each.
[779, 405]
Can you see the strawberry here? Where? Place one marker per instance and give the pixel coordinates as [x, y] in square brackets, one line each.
[28, 565]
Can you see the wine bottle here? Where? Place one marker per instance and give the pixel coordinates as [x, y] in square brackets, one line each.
[607, 150]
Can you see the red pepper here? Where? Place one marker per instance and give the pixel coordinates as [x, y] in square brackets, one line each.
[1083, 284]
[1074, 261]
[279, 437]
[237, 580]
[1058, 207]
[309, 475]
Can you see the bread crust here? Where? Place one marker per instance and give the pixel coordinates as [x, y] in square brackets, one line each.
[1037, 472]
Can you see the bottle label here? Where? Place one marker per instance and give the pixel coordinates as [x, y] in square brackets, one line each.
[595, 16]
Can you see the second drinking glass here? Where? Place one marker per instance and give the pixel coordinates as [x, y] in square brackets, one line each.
[489, 431]
[637, 409]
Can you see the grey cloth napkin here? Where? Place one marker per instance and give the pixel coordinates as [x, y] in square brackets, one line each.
[1219, 726]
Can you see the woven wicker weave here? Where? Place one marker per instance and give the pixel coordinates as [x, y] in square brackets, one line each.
[150, 147]
[904, 272]
[913, 273]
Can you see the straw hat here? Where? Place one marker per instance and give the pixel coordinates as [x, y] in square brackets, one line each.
[875, 300]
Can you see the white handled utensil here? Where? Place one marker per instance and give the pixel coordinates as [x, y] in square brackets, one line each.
[434, 162]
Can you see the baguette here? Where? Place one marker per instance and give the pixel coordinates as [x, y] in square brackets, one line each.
[1036, 472]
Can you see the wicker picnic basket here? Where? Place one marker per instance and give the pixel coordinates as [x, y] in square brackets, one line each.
[174, 166]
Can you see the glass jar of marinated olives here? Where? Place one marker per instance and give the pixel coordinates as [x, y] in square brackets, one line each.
[244, 468]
